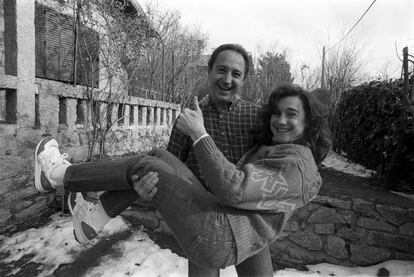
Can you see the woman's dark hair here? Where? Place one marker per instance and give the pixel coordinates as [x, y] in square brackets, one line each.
[234, 47]
[316, 134]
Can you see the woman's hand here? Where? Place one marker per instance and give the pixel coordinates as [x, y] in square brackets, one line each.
[146, 186]
[191, 122]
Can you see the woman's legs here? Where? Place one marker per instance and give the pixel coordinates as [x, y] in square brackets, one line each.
[192, 213]
[53, 171]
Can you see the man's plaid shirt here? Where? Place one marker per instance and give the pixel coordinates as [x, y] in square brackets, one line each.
[234, 131]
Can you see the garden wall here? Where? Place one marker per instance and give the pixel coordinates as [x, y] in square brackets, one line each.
[339, 230]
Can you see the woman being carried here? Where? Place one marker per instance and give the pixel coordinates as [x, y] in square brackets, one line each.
[246, 205]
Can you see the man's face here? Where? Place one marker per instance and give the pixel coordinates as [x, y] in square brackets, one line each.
[226, 77]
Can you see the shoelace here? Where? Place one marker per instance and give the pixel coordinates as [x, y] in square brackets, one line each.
[84, 207]
[62, 212]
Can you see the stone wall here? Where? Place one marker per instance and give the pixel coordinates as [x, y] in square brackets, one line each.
[339, 230]
[20, 203]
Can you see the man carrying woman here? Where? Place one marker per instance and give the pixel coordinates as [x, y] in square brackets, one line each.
[247, 204]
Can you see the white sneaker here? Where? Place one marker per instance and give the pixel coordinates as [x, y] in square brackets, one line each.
[82, 212]
[47, 158]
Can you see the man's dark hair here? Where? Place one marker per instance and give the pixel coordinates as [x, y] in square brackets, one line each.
[234, 47]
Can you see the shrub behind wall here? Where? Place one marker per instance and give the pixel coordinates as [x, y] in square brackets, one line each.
[369, 126]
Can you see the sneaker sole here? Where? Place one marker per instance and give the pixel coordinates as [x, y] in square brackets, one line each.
[38, 170]
[77, 224]
[79, 236]
[72, 212]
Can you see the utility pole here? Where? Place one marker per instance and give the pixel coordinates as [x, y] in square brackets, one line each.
[323, 68]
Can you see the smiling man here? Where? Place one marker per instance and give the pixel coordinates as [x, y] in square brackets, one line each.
[232, 123]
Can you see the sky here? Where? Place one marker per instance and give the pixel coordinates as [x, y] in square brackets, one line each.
[138, 256]
[302, 27]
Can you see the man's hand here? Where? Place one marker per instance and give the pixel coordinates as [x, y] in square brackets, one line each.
[191, 122]
[145, 187]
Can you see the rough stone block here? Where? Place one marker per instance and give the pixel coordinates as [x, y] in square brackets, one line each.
[301, 214]
[17, 206]
[285, 252]
[307, 240]
[354, 235]
[4, 216]
[368, 255]
[348, 215]
[324, 228]
[407, 229]
[33, 210]
[365, 208]
[335, 247]
[403, 256]
[325, 215]
[374, 224]
[399, 242]
[292, 225]
[313, 206]
[394, 215]
[164, 228]
[343, 204]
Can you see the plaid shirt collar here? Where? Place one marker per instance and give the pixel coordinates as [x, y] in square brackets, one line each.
[230, 106]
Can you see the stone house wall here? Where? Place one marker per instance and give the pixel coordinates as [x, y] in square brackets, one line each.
[50, 108]
[339, 230]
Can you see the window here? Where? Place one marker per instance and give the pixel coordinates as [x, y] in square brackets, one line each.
[10, 42]
[37, 111]
[156, 115]
[140, 111]
[120, 114]
[131, 115]
[96, 113]
[62, 110]
[8, 106]
[148, 115]
[80, 114]
[162, 116]
[109, 108]
[55, 53]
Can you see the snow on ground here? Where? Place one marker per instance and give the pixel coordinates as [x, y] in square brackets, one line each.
[54, 244]
[342, 164]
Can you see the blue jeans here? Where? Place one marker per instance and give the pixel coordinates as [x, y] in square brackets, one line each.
[198, 222]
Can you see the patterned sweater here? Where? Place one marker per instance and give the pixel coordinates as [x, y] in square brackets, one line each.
[262, 191]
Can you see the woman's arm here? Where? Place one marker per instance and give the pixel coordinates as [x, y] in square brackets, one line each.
[283, 181]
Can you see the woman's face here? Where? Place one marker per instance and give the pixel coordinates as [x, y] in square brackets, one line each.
[287, 122]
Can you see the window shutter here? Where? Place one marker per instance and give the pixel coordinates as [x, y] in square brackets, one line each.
[55, 48]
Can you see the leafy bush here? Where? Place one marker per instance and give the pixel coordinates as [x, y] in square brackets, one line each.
[370, 129]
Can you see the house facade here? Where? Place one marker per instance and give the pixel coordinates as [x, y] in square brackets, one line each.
[42, 94]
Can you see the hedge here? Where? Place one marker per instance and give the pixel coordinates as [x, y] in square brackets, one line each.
[370, 129]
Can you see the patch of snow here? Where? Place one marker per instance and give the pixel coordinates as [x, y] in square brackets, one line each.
[138, 256]
[341, 163]
[406, 195]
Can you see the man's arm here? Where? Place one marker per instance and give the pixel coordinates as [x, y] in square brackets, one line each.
[179, 144]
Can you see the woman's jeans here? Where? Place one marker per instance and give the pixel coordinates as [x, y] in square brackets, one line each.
[193, 214]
